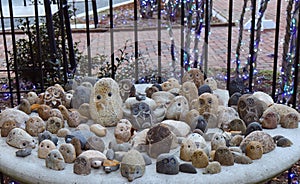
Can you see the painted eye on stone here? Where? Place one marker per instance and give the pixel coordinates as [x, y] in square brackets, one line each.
[98, 97]
[179, 104]
[110, 94]
[172, 160]
[165, 161]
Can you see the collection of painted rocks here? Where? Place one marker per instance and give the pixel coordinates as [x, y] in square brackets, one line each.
[146, 126]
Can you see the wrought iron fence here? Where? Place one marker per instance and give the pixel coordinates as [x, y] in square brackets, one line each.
[43, 54]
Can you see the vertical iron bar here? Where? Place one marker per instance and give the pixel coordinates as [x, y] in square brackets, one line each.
[136, 44]
[252, 44]
[276, 49]
[11, 14]
[88, 38]
[207, 13]
[38, 44]
[69, 35]
[159, 40]
[50, 30]
[182, 38]
[111, 20]
[30, 39]
[64, 53]
[6, 58]
[295, 91]
[94, 5]
[229, 43]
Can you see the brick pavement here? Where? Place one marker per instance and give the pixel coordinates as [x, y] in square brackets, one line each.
[217, 44]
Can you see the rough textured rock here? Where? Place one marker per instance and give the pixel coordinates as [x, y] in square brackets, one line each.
[199, 159]
[23, 152]
[35, 125]
[106, 102]
[132, 165]
[53, 124]
[190, 117]
[237, 125]
[270, 120]
[187, 148]
[19, 138]
[218, 140]
[224, 156]
[55, 160]
[54, 96]
[95, 143]
[167, 164]
[267, 99]
[254, 150]
[67, 150]
[81, 95]
[123, 131]
[208, 103]
[15, 115]
[82, 165]
[264, 138]
[194, 75]
[7, 126]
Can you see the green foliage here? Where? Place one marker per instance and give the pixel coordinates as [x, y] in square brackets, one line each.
[32, 63]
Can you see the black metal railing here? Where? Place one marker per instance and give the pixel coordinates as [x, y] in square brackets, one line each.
[64, 63]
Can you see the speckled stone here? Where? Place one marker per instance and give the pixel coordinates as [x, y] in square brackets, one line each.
[254, 150]
[63, 132]
[199, 159]
[264, 138]
[224, 156]
[106, 102]
[55, 160]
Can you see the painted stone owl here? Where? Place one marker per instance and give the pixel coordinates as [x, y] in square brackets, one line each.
[167, 164]
[133, 165]
[127, 89]
[106, 102]
[194, 75]
[54, 96]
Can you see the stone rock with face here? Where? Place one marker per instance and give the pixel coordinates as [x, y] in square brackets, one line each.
[224, 156]
[254, 150]
[218, 140]
[170, 84]
[264, 138]
[212, 168]
[82, 165]
[53, 124]
[123, 131]
[187, 148]
[178, 108]
[127, 89]
[141, 115]
[283, 111]
[199, 159]
[270, 120]
[35, 125]
[194, 75]
[132, 165]
[55, 160]
[106, 102]
[45, 147]
[54, 96]
[44, 111]
[68, 152]
[198, 140]
[212, 83]
[81, 95]
[250, 108]
[19, 138]
[208, 103]
[189, 91]
[7, 126]
[290, 120]
[32, 97]
[159, 138]
[237, 125]
[14, 115]
[167, 164]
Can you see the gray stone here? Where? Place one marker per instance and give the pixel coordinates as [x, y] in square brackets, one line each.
[167, 164]
[187, 168]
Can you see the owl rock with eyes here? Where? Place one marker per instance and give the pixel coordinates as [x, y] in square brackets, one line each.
[167, 164]
[54, 96]
[194, 75]
[55, 160]
[178, 108]
[132, 165]
[106, 102]
[19, 138]
[123, 131]
[127, 89]
[189, 91]
[254, 150]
